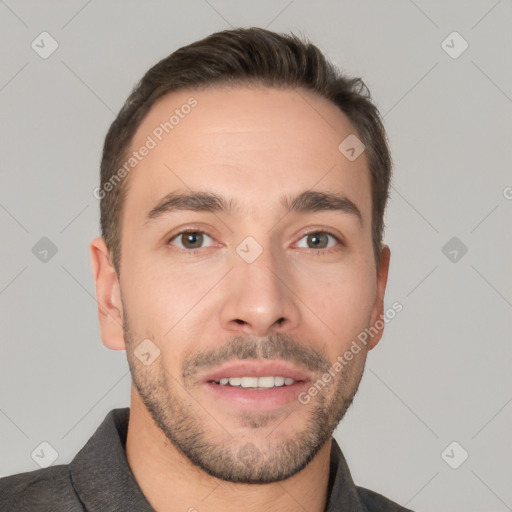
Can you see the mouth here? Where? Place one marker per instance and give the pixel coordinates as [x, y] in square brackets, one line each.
[256, 385]
[259, 383]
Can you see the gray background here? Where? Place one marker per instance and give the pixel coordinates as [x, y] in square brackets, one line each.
[442, 370]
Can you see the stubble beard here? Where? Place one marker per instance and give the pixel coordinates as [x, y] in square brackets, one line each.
[207, 444]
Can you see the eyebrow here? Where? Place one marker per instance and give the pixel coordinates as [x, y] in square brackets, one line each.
[205, 201]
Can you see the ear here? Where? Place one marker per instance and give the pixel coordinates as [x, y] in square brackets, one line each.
[378, 307]
[108, 296]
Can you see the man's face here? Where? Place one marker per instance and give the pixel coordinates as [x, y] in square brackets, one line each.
[253, 291]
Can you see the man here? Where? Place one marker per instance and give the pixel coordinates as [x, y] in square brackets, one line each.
[241, 267]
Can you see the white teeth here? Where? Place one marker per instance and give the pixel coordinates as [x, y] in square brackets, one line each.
[249, 382]
[266, 382]
[257, 382]
[279, 381]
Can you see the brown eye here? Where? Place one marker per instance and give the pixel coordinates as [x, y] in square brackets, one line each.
[190, 239]
[319, 240]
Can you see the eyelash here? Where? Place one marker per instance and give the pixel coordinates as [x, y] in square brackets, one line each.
[319, 252]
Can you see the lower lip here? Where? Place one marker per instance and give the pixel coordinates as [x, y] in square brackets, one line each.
[251, 399]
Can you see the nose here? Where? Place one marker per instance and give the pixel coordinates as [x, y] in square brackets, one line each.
[258, 297]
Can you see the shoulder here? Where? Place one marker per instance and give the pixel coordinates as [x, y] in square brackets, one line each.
[48, 489]
[375, 502]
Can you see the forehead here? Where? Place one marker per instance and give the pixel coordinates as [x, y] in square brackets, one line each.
[252, 142]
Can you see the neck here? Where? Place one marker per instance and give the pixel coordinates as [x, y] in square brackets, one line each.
[171, 482]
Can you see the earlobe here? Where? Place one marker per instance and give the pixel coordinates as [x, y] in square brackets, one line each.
[108, 296]
[377, 318]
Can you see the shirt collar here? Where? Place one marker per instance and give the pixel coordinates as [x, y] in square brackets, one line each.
[100, 472]
[104, 482]
[342, 491]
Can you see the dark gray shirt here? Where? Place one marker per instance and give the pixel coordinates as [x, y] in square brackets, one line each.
[99, 479]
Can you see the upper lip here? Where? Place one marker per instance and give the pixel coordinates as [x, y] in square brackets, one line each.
[257, 368]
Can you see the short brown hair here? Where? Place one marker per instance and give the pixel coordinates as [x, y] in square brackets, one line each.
[242, 57]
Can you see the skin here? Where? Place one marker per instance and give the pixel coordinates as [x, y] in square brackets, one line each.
[254, 145]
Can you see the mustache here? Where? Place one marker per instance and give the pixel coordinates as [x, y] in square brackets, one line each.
[274, 346]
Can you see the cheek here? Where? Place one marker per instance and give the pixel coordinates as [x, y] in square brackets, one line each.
[162, 297]
[342, 298]
[146, 296]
